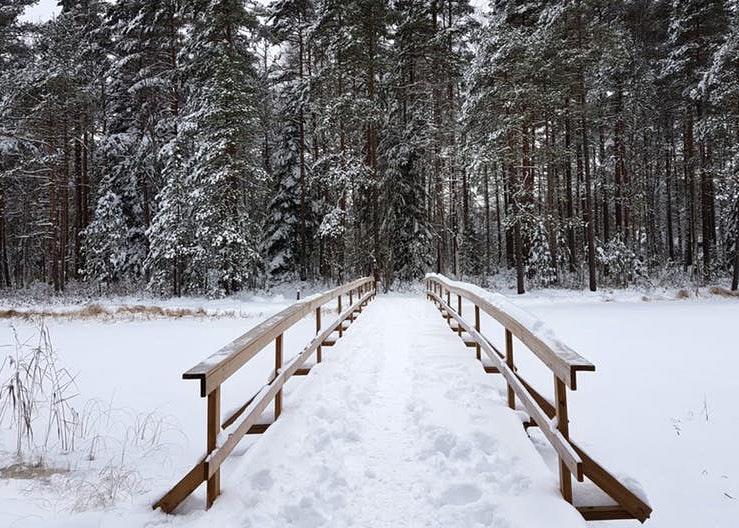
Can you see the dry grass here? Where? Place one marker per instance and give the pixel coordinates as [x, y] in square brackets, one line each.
[96, 311]
[723, 292]
[30, 472]
[682, 294]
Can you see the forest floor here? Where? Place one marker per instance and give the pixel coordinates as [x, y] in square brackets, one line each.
[661, 408]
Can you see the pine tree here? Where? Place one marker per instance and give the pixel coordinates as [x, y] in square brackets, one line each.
[282, 230]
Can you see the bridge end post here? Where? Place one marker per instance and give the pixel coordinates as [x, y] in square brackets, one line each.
[214, 428]
[565, 477]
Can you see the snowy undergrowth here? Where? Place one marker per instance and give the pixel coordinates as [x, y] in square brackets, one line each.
[82, 457]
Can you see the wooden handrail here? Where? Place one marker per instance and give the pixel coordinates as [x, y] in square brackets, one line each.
[560, 358]
[551, 418]
[225, 362]
[220, 366]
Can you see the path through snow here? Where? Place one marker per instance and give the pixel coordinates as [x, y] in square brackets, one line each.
[399, 426]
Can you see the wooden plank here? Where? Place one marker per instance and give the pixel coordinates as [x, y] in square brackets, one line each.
[565, 366]
[278, 367]
[604, 513]
[459, 311]
[318, 329]
[302, 372]
[338, 310]
[214, 428]
[509, 362]
[491, 370]
[626, 498]
[258, 428]
[180, 491]
[223, 363]
[563, 425]
[477, 327]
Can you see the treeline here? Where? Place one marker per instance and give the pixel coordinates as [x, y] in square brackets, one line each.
[206, 146]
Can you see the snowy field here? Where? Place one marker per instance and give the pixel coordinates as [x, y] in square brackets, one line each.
[661, 407]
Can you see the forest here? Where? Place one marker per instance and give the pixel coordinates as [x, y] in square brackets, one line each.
[210, 146]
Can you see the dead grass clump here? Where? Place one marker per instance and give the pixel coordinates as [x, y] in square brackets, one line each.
[682, 294]
[723, 292]
[96, 311]
[90, 311]
[30, 472]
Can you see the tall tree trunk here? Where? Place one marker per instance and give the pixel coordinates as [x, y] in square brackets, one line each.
[4, 267]
[568, 188]
[689, 174]
[497, 174]
[708, 214]
[303, 251]
[668, 199]
[735, 278]
[551, 209]
[590, 227]
[486, 198]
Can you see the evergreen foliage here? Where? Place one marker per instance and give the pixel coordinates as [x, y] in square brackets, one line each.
[207, 146]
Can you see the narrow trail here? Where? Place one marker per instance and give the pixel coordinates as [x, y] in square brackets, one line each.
[399, 426]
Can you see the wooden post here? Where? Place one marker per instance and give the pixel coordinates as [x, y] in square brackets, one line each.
[318, 331]
[565, 478]
[449, 299]
[214, 428]
[278, 366]
[459, 311]
[509, 362]
[351, 303]
[341, 326]
[477, 327]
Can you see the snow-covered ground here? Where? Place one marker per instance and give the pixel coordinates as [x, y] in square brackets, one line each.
[660, 407]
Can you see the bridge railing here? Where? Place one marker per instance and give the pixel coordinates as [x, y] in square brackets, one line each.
[222, 438]
[551, 417]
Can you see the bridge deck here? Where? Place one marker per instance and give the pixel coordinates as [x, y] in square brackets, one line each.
[399, 426]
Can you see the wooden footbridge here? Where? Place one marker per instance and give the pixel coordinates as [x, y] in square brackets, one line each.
[346, 303]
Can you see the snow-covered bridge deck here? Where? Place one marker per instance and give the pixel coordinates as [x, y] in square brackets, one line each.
[402, 426]
[399, 426]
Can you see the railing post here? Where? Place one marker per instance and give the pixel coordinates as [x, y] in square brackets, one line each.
[214, 428]
[477, 327]
[341, 326]
[459, 311]
[565, 478]
[509, 362]
[318, 331]
[449, 299]
[278, 366]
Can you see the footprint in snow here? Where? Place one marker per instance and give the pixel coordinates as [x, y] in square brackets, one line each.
[459, 495]
[262, 480]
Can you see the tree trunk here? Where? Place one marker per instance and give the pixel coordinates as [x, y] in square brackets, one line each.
[689, 172]
[570, 213]
[303, 251]
[486, 198]
[4, 267]
[735, 278]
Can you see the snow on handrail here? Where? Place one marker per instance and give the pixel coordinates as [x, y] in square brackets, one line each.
[218, 367]
[530, 330]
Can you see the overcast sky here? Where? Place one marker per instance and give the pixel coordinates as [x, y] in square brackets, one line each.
[40, 11]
